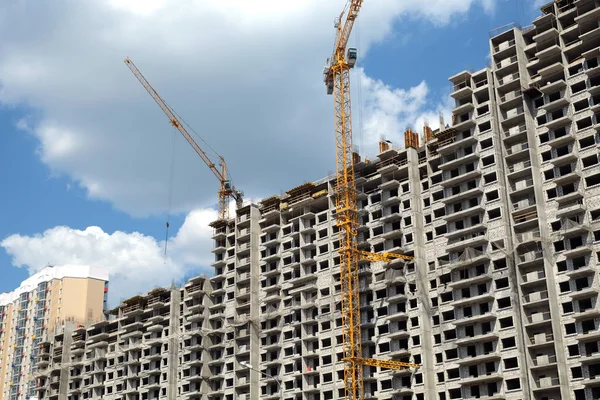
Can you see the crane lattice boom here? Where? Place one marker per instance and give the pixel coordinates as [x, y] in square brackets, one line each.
[226, 190]
[337, 80]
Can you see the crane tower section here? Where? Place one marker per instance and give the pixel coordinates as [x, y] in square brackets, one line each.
[337, 80]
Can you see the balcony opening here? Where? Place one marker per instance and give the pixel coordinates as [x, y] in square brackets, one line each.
[565, 170]
[508, 343]
[542, 119]
[575, 69]
[589, 161]
[557, 114]
[592, 180]
[488, 161]
[485, 126]
[440, 212]
[483, 110]
[578, 87]
[553, 97]
[547, 155]
[581, 105]
[560, 132]
[585, 305]
[562, 151]
[584, 123]
[538, 102]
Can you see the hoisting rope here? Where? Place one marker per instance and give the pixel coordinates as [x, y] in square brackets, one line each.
[360, 99]
[170, 194]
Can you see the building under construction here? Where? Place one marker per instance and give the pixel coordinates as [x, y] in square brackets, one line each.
[500, 209]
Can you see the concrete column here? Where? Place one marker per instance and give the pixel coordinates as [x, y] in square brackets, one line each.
[254, 325]
[421, 269]
[174, 339]
[65, 360]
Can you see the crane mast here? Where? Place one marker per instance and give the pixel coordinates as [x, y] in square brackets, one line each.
[226, 189]
[337, 81]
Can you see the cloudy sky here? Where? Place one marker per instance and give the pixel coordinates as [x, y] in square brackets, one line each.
[90, 167]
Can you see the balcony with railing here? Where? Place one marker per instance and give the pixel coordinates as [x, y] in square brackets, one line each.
[520, 187]
[533, 278]
[480, 85]
[511, 99]
[519, 169]
[462, 89]
[513, 116]
[505, 49]
[525, 203]
[517, 151]
[503, 83]
[515, 133]
[535, 298]
[538, 318]
[527, 260]
[525, 238]
[541, 339]
[507, 66]
[543, 361]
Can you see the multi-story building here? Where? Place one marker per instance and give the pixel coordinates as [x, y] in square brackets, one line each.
[150, 347]
[501, 211]
[45, 300]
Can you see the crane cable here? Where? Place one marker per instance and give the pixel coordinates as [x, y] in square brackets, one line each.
[171, 173]
[359, 72]
[201, 139]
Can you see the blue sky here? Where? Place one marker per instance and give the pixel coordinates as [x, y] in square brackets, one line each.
[44, 189]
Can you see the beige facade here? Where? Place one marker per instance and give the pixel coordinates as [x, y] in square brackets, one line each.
[42, 303]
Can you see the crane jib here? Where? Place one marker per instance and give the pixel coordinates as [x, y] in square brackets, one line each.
[221, 176]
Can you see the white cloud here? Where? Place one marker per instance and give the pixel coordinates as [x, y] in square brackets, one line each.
[390, 111]
[245, 75]
[136, 262]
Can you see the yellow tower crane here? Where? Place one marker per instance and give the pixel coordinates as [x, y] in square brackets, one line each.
[226, 190]
[337, 81]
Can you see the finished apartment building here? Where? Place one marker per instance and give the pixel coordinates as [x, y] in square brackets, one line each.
[44, 301]
[500, 209]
